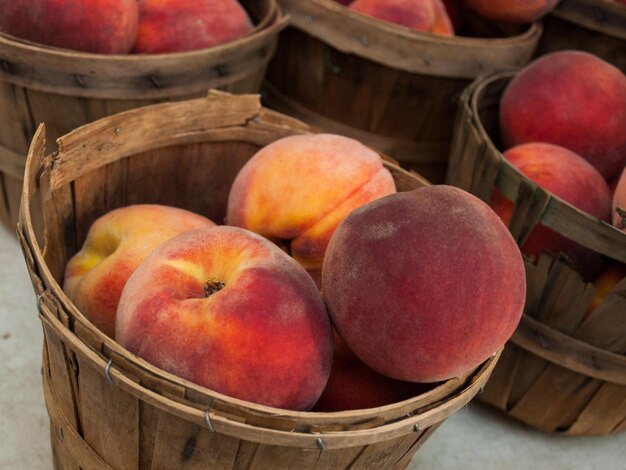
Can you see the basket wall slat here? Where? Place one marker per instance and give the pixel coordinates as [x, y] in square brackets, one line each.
[609, 396]
[109, 419]
[502, 379]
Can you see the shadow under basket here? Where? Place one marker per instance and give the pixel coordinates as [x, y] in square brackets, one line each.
[563, 370]
[595, 26]
[391, 87]
[110, 409]
[66, 89]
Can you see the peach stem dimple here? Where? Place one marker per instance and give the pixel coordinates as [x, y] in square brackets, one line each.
[212, 286]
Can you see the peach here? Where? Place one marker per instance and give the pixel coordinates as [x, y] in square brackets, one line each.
[572, 99]
[184, 25]
[512, 11]
[421, 15]
[296, 190]
[424, 285]
[227, 309]
[99, 26]
[354, 386]
[605, 282]
[115, 245]
[619, 202]
[569, 177]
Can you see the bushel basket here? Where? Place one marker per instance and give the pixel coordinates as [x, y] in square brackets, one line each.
[562, 371]
[391, 87]
[110, 409]
[66, 89]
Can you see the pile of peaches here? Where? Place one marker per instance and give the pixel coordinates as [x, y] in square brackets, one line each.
[125, 26]
[325, 289]
[563, 125]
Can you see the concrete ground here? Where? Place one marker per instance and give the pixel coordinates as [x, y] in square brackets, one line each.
[474, 438]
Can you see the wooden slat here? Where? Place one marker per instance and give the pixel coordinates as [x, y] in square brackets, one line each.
[603, 413]
[606, 17]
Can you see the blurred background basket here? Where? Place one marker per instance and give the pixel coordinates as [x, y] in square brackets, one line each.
[66, 89]
[561, 371]
[595, 26]
[110, 409]
[393, 88]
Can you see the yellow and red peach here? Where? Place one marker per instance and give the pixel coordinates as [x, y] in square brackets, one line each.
[354, 386]
[605, 282]
[619, 202]
[512, 11]
[99, 26]
[227, 309]
[572, 99]
[420, 15]
[424, 285]
[569, 177]
[115, 245]
[184, 25]
[299, 188]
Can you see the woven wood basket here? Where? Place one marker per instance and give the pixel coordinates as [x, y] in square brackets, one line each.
[110, 409]
[596, 26]
[388, 86]
[66, 89]
[559, 373]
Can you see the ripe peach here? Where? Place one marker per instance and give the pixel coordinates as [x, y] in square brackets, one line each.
[354, 386]
[184, 25]
[227, 309]
[297, 190]
[421, 15]
[569, 177]
[100, 26]
[619, 202]
[605, 282]
[424, 285]
[115, 245]
[572, 99]
[512, 11]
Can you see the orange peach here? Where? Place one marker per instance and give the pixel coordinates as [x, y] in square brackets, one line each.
[572, 99]
[354, 386]
[421, 15]
[227, 309]
[569, 177]
[115, 245]
[296, 191]
[619, 202]
[605, 282]
[512, 11]
[424, 285]
[99, 26]
[184, 25]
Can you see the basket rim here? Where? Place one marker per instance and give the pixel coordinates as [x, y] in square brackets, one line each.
[611, 243]
[206, 417]
[138, 76]
[389, 44]
[255, 115]
[602, 16]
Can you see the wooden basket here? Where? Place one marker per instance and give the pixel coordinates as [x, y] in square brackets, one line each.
[66, 89]
[108, 407]
[391, 87]
[558, 372]
[596, 26]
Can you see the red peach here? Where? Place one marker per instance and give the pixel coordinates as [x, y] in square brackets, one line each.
[572, 99]
[99, 26]
[424, 285]
[569, 177]
[299, 188]
[227, 309]
[354, 386]
[421, 15]
[512, 11]
[115, 245]
[184, 25]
